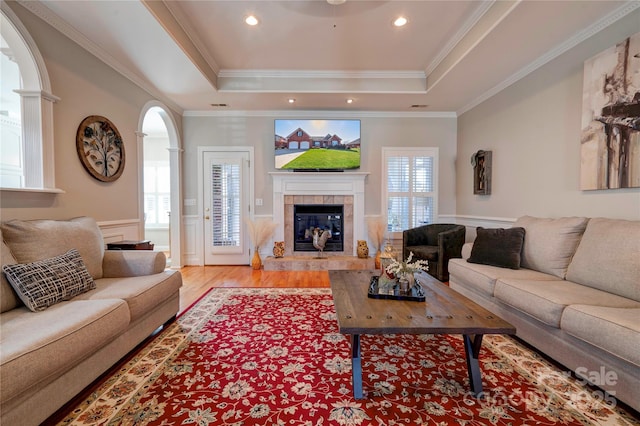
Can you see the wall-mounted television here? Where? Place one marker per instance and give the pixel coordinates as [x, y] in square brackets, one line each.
[317, 145]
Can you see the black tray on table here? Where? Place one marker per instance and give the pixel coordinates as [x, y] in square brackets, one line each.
[415, 293]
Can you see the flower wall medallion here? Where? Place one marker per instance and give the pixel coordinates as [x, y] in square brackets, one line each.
[100, 148]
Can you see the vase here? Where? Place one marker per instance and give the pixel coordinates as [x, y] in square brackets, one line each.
[403, 283]
[378, 265]
[410, 279]
[278, 249]
[256, 262]
[363, 249]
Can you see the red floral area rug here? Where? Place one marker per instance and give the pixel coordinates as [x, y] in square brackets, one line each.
[275, 357]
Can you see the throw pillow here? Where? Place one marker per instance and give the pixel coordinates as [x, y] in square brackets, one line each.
[46, 282]
[34, 240]
[550, 243]
[498, 247]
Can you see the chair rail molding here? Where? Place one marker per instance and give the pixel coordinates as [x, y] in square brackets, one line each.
[472, 222]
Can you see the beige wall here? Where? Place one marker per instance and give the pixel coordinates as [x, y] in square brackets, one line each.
[86, 87]
[377, 132]
[533, 129]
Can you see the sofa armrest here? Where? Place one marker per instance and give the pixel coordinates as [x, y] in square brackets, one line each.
[132, 263]
[450, 242]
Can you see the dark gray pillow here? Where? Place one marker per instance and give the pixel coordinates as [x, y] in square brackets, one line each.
[498, 247]
[46, 282]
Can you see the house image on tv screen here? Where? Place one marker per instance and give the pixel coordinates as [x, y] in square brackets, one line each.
[336, 148]
[299, 139]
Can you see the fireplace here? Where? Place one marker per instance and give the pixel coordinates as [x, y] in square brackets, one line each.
[346, 189]
[309, 219]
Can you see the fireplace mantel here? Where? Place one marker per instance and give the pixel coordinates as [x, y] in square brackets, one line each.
[320, 184]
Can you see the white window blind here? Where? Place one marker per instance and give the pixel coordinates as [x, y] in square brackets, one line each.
[225, 223]
[411, 189]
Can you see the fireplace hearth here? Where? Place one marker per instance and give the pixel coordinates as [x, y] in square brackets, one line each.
[309, 219]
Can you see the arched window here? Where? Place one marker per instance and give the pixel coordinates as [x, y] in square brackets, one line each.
[26, 115]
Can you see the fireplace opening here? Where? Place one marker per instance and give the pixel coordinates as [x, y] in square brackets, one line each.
[310, 218]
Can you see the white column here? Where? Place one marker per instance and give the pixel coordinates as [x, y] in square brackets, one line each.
[37, 138]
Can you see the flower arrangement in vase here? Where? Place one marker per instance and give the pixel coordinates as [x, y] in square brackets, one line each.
[259, 232]
[404, 270]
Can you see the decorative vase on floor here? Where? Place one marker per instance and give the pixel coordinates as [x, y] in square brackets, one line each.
[256, 262]
[378, 265]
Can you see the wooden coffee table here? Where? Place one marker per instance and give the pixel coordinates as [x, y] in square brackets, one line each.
[444, 312]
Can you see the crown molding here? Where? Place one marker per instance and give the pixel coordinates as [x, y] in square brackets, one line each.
[47, 15]
[321, 114]
[317, 81]
[576, 39]
[312, 74]
[459, 35]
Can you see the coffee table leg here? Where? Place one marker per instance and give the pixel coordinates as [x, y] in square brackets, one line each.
[356, 366]
[472, 346]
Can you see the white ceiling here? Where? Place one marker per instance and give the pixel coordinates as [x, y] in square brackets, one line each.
[450, 56]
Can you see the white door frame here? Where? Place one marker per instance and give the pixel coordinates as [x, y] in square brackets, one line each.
[201, 213]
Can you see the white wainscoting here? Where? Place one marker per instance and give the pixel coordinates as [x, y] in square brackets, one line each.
[120, 230]
[472, 222]
[192, 244]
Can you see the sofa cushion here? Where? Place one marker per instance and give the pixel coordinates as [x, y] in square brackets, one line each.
[498, 247]
[37, 347]
[34, 240]
[8, 297]
[142, 294]
[549, 244]
[46, 282]
[546, 300]
[608, 257]
[615, 330]
[482, 278]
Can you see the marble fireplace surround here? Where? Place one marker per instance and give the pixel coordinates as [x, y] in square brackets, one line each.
[345, 188]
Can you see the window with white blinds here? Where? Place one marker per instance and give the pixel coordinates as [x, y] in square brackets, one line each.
[225, 200]
[410, 178]
[157, 194]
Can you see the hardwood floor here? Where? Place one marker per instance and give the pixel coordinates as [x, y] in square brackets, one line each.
[198, 279]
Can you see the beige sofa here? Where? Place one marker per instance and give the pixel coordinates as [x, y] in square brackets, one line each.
[50, 355]
[576, 296]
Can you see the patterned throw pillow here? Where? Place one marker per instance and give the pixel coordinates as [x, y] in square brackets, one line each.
[46, 282]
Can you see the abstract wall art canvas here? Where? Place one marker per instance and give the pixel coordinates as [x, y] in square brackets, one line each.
[610, 140]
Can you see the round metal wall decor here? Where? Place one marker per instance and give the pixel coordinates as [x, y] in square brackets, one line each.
[100, 148]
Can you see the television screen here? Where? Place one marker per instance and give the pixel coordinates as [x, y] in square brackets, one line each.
[317, 144]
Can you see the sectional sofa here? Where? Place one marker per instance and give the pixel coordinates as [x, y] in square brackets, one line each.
[574, 294]
[70, 311]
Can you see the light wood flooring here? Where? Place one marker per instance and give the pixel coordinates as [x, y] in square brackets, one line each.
[198, 279]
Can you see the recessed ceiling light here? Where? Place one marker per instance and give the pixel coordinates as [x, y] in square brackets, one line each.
[291, 100]
[251, 20]
[400, 21]
[349, 101]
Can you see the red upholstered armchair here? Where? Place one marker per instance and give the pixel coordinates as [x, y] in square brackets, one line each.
[435, 243]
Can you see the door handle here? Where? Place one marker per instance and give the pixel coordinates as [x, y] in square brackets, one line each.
[206, 218]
